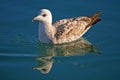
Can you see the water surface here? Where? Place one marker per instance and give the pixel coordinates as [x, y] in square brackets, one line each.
[22, 57]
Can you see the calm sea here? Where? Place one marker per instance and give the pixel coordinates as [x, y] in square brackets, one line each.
[95, 57]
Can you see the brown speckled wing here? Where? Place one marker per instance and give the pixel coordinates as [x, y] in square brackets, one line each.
[67, 28]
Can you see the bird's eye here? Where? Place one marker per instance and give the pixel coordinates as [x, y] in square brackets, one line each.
[44, 15]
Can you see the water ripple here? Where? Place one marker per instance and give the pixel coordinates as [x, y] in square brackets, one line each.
[17, 55]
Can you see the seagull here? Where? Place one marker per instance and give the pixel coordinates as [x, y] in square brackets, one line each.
[64, 30]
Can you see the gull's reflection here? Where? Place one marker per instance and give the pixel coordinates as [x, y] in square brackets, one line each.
[48, 52]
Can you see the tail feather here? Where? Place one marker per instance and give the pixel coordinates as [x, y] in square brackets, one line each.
[95, 18]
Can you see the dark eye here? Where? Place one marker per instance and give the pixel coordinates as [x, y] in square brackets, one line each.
[44, 15]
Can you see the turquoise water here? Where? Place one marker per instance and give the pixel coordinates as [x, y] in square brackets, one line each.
[22, 57]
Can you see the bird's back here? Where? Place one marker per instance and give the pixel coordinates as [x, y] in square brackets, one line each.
[68, 30]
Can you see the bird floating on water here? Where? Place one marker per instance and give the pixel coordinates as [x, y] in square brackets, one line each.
[65, 30]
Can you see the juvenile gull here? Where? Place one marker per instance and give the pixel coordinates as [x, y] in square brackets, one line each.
[65, 30]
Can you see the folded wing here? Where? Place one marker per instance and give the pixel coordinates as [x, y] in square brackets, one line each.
[69, 30]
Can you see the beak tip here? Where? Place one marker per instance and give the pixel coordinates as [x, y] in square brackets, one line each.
[34, 19]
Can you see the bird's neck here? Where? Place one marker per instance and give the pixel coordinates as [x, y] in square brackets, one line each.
[47, 30]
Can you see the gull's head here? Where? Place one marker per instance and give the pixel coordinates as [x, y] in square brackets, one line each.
[44, 16]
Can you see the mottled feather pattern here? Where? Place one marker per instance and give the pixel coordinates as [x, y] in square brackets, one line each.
[65, 30]
[71, 27]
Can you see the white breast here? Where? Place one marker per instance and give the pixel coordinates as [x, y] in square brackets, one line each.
[42, 35]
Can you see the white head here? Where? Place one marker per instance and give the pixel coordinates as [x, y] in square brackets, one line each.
[44, 16]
